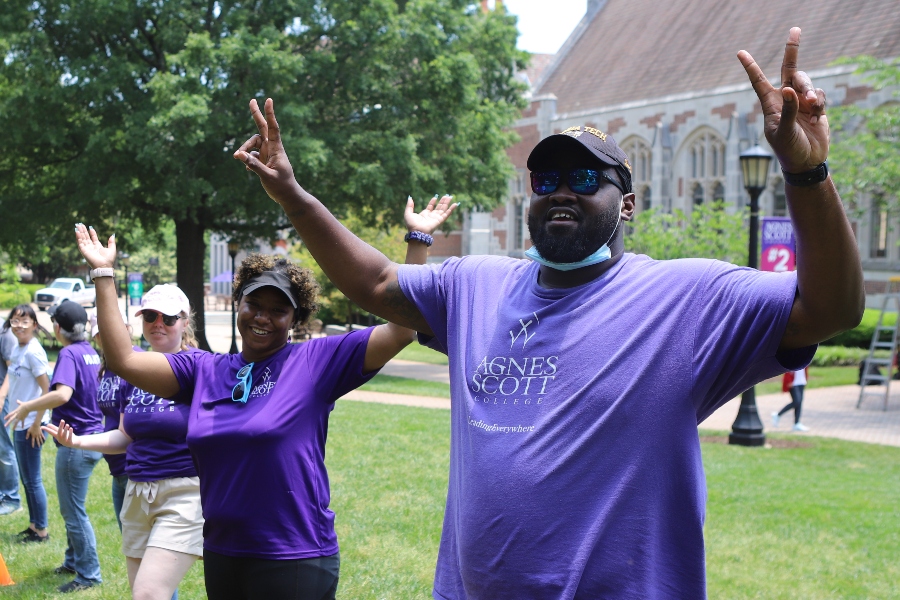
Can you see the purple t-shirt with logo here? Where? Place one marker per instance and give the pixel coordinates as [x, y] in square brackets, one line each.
[575, 468]
[263, 482]
[77, 366]
[158, 428]
[111, 394]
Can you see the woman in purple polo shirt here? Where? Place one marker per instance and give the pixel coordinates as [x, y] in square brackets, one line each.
[161, 518]
[73, 398]
[259, 419]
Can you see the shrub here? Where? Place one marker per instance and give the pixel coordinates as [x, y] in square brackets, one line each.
[861, 335]
[839, 356]
[9, 299]
[12, 291]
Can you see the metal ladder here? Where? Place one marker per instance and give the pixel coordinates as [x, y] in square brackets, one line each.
[883, 338]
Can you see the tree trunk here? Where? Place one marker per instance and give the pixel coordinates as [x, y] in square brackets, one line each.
[190, 250]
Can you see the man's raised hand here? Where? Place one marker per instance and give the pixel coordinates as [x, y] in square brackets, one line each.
[264, 154]
[431, 217]
[795, 122]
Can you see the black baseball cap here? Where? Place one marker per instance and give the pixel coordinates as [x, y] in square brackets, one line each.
[68, 314]
[601, 145]
[273, 279]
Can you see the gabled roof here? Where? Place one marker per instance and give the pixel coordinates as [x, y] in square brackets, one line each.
[632, 50]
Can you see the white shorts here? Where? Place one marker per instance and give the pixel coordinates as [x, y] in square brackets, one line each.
[162, 514]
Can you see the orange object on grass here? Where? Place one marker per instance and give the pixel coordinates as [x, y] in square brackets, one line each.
[5, 579]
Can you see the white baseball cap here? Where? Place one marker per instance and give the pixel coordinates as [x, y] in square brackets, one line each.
[95, 326]
[166, 299]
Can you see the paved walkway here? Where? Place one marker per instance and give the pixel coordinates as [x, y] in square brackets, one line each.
[828, 412]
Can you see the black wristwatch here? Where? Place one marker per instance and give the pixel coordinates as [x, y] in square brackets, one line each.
[807, 178]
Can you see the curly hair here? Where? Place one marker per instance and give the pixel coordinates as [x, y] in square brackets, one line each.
[303, 284]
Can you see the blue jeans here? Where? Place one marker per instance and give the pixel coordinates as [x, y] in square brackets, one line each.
[118, 496]
[73, 473]
[9, 470]
[30, 469]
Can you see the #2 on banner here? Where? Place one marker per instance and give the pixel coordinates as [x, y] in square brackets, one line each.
[779, 252]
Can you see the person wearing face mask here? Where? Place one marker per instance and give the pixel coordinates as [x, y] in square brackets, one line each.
[584, 373]
[159, 505]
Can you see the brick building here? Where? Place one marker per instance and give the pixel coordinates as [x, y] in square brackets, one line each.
[664, 80]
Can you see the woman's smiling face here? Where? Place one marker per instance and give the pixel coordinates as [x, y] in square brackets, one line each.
[162, 337]
[23, 327]
[264, 319]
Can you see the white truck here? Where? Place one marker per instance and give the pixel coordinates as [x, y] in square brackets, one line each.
[65, 288]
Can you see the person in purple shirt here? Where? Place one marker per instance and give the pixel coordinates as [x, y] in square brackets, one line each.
[578, 380]
[259, 419]
[73, 398]
[111, 394]
[161, 517]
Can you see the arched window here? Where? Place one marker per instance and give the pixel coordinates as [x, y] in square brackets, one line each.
[703, 167]
[697, 196]
[719, 192]
[641, 157]
[647, 198]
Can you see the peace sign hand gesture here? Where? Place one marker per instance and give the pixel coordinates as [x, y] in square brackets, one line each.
[264, 154]
[795, 122]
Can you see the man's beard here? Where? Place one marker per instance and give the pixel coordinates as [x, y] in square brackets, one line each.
[587, 239]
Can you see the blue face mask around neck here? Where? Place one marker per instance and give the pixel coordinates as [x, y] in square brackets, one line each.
[603, 253]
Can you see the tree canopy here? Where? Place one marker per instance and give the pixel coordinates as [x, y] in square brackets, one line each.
[125, 113]
[707, 231]
[866, 149]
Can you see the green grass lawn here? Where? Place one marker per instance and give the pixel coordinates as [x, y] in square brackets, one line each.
[419, 353]
[819, 377]
[816, 521]
[820, 521]
[403, 385]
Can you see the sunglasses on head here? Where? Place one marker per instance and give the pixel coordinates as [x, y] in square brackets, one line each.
[580, 181]
[150, 316]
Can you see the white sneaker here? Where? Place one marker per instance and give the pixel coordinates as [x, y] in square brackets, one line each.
[775, 419]
[800, 427]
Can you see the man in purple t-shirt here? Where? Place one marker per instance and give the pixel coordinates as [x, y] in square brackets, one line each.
[578, 380]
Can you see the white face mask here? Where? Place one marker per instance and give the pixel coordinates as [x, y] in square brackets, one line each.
[603, 253]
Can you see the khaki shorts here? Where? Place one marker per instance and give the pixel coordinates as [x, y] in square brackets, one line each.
[163, 514]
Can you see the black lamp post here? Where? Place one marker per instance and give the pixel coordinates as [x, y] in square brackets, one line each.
[233, 248]
[747, 429]
[124, 258]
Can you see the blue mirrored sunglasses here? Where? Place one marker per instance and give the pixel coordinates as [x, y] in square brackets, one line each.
[580, 181]
[241, 391]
